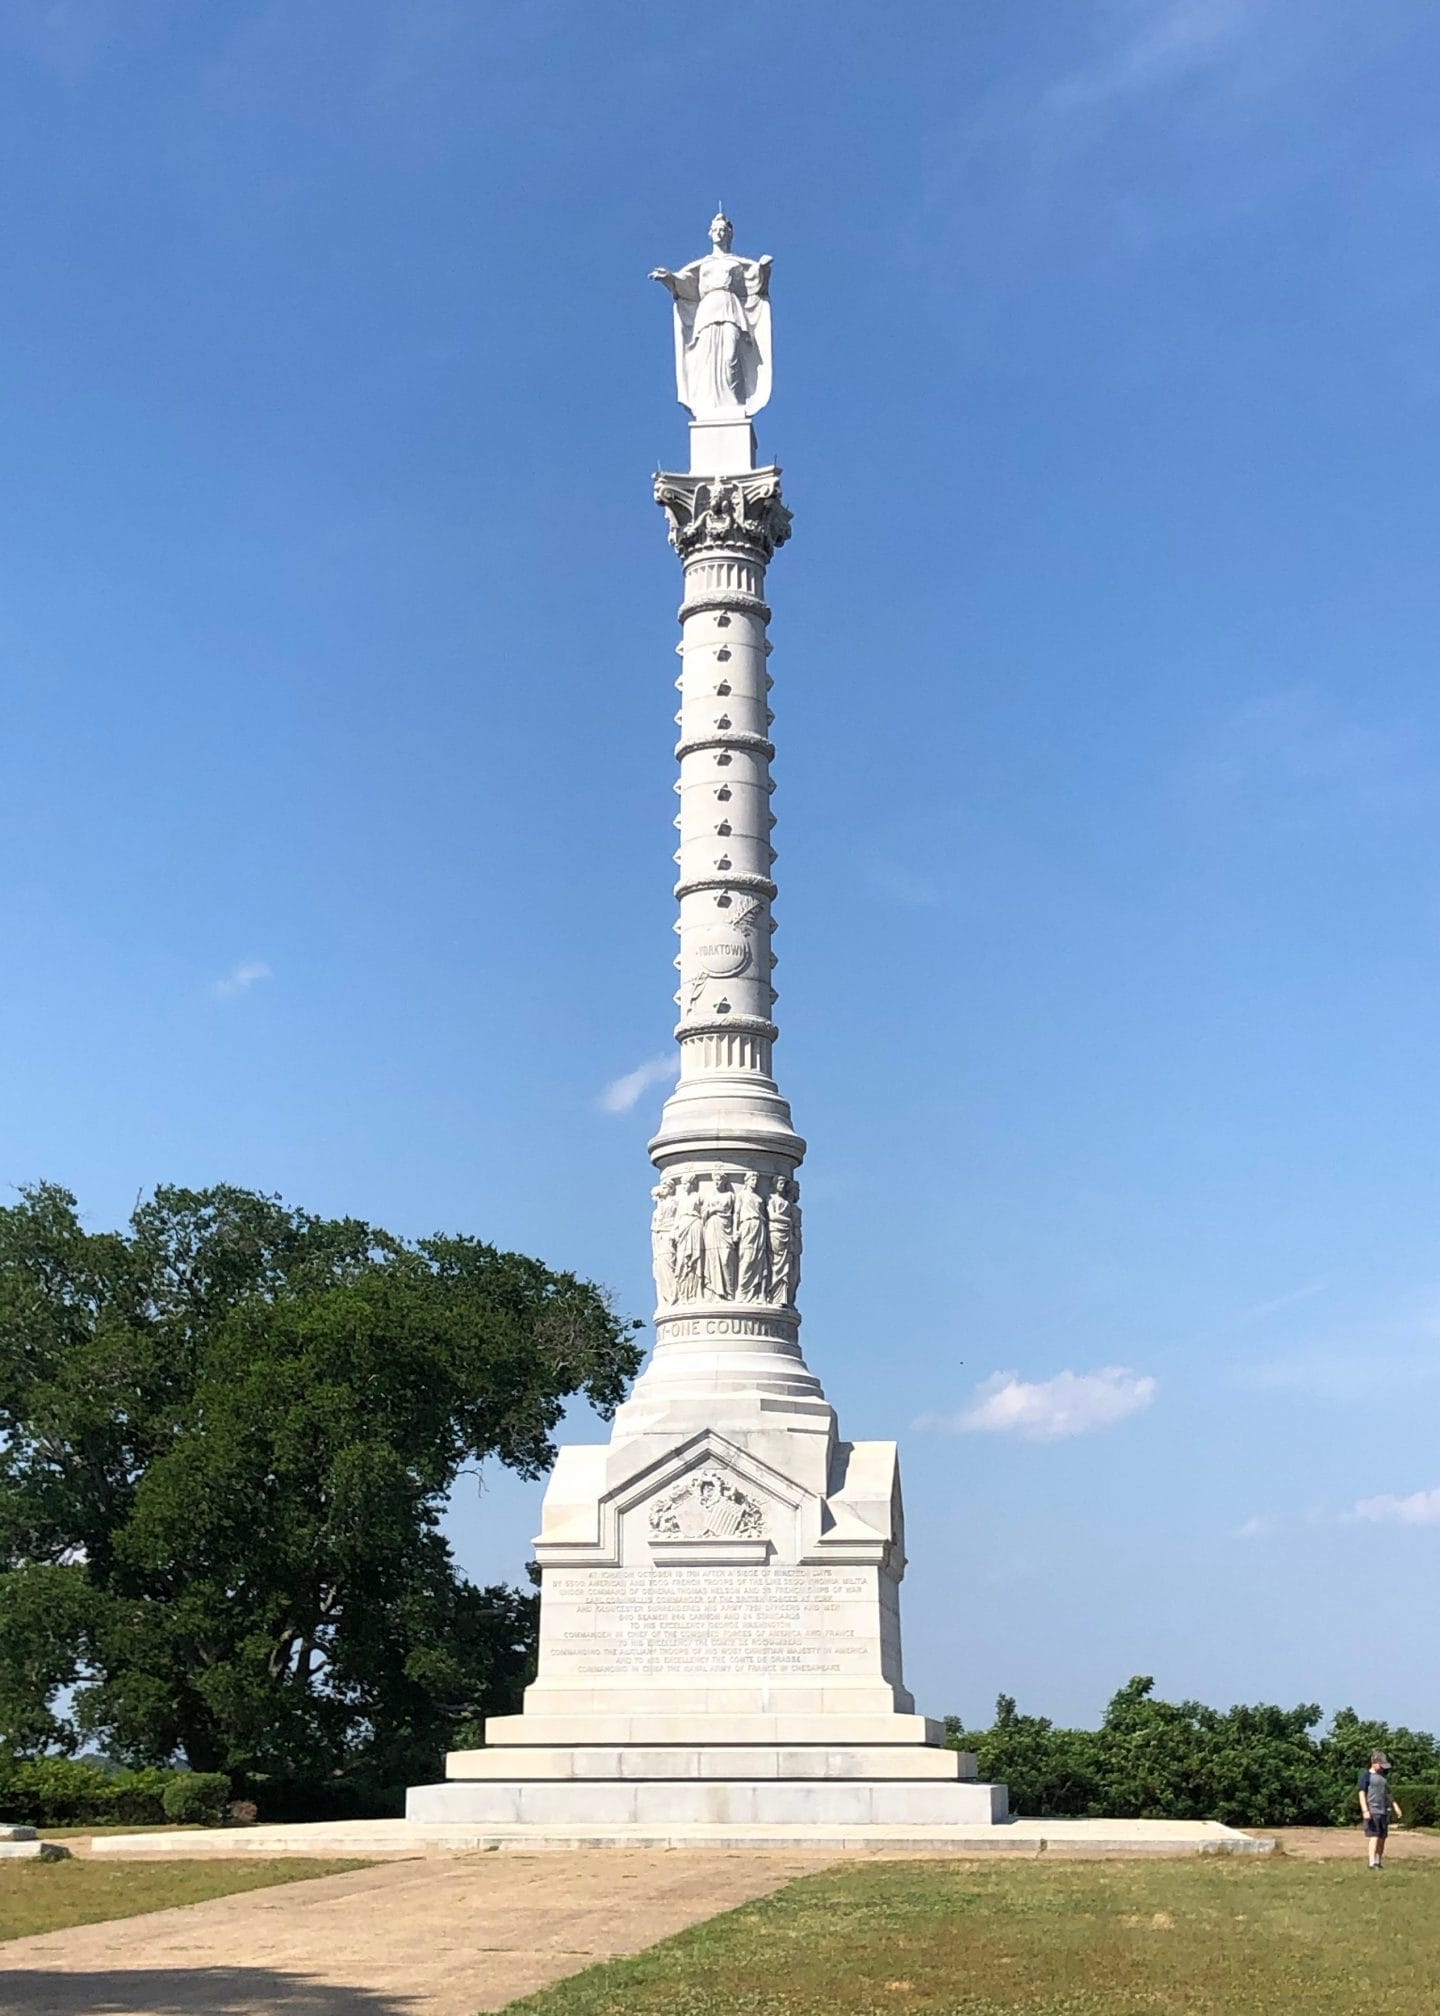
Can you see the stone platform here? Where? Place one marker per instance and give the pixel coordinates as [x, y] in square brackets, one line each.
[1064, 1838]
[661, 1805]
[23, 1844]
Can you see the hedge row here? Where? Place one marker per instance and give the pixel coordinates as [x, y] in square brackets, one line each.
[77, 1792]
[1256, 1766]
[69, 1792]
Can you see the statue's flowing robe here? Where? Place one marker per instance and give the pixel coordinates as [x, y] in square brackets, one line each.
[782, 1227]
[687, 1248]
[718, 1235]
[662, 1248]
[752, 1229]
[722, 335]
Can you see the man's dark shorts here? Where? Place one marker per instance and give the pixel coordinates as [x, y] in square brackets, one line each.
[1378, 1830]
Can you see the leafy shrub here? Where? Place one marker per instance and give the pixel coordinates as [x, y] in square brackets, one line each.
[200, 1797]
[1419, 1801]
[1052, 1773]
[1250, 1766]
[57, 1792]
[138, 1797]
[76, 1792]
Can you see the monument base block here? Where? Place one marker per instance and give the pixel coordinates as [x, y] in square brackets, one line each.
[719, 1650]
[816, 1800]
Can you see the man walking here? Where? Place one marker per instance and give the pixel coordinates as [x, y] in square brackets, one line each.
[1377, 1803]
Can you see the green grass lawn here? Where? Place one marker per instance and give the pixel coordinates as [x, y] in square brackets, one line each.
[48, 1896]
[1246, 1937]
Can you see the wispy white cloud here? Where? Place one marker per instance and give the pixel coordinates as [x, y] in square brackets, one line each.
[1136, 121]
[898, 884]
[1274, 1303]
[1300, 742]
[1387, 1508]
[1415, 1508]
[67, 39]
[621, 1094]
[1152, 48]
[1344, 1375]
[240, 979]
[1046, 1410]
[1386, 1349]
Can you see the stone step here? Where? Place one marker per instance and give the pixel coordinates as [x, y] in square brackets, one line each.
[17, 1834]
[376, 1838]
[17, 1848]
[698, 1694]
[692, 1760]
[648, 1728]
[579, 1802]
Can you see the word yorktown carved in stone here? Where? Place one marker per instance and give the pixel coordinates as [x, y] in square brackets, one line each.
[707, 1506]
[720, 1236]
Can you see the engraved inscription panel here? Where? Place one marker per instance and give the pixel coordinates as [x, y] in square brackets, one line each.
[647, 1621]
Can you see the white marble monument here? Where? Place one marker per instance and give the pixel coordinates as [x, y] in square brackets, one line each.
[719, 1617]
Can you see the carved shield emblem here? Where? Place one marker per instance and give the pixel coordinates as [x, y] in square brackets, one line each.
[707, 1506]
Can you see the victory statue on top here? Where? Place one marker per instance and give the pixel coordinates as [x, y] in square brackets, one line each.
[722, 329]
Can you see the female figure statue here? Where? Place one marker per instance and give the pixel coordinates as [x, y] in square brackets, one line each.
[719, 1240]
[752, 1238]
[722, 328]
[797, 1243]
[662, 1240]
[688, 1263]
[784, 1215]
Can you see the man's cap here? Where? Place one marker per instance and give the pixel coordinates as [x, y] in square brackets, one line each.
[1379, 1757]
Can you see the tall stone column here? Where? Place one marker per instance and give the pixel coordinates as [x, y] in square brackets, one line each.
[719, 1601]
[726, 1230]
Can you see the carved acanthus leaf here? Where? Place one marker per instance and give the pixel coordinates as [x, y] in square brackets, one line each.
[730, 511]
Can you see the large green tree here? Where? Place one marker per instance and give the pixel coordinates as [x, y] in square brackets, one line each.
[227, 1435]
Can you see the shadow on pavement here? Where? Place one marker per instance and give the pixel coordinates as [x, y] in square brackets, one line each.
[185, 1991]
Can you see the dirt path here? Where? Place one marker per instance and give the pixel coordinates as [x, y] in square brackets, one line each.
[1347, 1844]
[423, 1938]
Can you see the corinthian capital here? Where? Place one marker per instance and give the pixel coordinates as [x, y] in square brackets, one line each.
[724, 511]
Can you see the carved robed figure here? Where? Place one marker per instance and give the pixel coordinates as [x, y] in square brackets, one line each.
[662, 1239]
[722, 328]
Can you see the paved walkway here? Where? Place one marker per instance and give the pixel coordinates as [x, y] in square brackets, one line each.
[424, 1938]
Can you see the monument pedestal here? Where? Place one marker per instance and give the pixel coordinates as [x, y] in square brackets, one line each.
[719, 1646]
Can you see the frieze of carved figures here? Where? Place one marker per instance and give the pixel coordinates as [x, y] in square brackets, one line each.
[720, 1238]
[707, 1506]
[742, 511]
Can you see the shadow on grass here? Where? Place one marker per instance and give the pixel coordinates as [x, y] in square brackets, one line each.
[185, 1991]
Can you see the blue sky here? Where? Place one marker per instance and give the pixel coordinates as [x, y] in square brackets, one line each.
[336, 777]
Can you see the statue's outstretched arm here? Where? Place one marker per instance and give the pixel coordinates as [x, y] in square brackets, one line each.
[757, 277]
[683, 285]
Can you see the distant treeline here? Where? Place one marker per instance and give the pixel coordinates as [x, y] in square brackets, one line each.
[1179, 1760]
